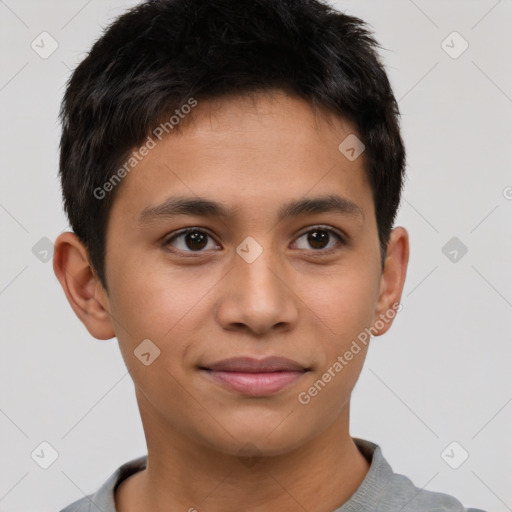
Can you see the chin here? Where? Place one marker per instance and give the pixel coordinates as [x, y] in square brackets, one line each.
[260, 439]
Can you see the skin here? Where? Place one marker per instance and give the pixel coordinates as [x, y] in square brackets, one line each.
[210, 448]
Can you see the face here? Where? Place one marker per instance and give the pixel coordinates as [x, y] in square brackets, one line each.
[260, 280]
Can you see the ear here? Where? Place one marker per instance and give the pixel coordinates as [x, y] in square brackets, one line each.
[81, 285]
[392, 280]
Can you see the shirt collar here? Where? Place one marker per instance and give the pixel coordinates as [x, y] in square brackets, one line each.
[367, 495]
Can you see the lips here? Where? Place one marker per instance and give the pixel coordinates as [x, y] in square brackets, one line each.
[250, 365]
[255, 377]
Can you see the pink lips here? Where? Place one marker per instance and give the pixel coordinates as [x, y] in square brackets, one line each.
[253, 377]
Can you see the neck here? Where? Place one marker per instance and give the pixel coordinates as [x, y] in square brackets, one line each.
[187, 476]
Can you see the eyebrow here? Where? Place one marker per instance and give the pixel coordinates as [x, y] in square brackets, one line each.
[202, 207]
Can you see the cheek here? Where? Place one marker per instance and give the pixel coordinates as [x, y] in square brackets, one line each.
[342, 304]
[164, 305]
[150, 307]
[344, 308]
[148, 298]
[144, 305]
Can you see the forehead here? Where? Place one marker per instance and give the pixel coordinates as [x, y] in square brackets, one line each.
[250, 151]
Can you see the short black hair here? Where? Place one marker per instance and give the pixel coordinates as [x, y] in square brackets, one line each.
[160, 54]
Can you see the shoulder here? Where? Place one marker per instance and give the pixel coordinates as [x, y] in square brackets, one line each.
[81, 505]
[103, 500]
[403, 493]
[383, 490]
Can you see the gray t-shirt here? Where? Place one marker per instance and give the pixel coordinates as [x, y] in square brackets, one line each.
[382, 490]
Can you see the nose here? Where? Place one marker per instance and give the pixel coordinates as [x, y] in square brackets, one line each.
[257, 297]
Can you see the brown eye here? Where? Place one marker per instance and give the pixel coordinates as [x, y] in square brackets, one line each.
[191, 240]
[319, 239]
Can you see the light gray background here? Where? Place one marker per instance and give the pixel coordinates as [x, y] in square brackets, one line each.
[441, 374]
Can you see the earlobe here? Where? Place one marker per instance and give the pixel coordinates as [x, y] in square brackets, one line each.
[79, 282]
[392, 280]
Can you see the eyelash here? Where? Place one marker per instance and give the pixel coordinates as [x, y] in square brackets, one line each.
[317, 252]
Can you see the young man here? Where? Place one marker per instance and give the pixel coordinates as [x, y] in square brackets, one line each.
[232, 171]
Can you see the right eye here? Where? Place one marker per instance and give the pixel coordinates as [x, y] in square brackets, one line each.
[191, 240]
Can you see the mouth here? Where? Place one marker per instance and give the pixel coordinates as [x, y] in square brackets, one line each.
[253, 377]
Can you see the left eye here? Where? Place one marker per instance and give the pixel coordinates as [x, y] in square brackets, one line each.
[318, 238]
[195, 240]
